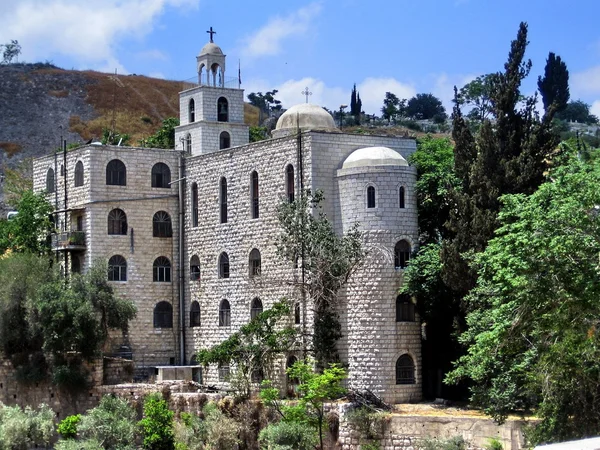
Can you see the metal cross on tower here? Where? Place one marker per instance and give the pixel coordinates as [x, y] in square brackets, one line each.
[211, 32]
[306, 92]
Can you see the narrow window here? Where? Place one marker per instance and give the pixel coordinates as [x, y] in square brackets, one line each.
[297, 313]
[222, 110]
[224, 372]
[161, 225]
[254, 263]
[371, 197]
[161, 270]
[194, 205]
[79, 174]
[161, 176]
[195, 314]
[188, 143]
[224, 314]
[288, 365]
[117, 268]
[195, 268]
[223, 265]
[223, 199]
[254, 199]
[50, 181]
[117, 222]
[75, 264]
[401, 254]
[289, 183]
[401, 197]
[116, 173]
[163, 315]
[256, 308]
[405, 370]
[224, 140]
[405, 309]
[192, 111]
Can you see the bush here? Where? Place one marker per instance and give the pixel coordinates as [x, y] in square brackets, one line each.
[67, 428]
[222, 430]
[454, 443]
[288, 436]
[112, 422]
[21, 429]
[494, 444]
[190, 432]
[88, 444]
[370, 424]
[157, 424]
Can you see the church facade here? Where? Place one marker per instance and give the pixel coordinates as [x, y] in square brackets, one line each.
[189, 234]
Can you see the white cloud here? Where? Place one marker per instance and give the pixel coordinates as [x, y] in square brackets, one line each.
[268, 40]
[595, 109]
[586, 82]
[372, 92]
[87, 31]
[443, 87]
[153, 54]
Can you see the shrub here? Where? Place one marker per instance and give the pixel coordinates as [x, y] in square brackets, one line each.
[88, 444]
[494, 444]
[112, 422]
[454, 443]
[288, 436]
[369, 423]
[67, 428]
[190, 432]
[21, 429]
[222, 430]
[157, 424]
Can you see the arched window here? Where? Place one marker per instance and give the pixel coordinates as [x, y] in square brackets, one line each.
[223, 199]
[192, 111]
[222, 110]
[163, 315]
[195, 314]
[405, 309]
[405, 370]
[401, 254]
[79, 174]
[188, 143]
[161, 225]
[254, 199]
[117, 222]
[194, 205]
[401, 197]
[371, 197]
[289, 183]
[224, 140]
[224, 314]
[50, 181]
[223, 265]
[297, 313]
[256, 308]
[195, 268]
[161, 176]
[117, 268]
[116, 173]
[161, 270]
[254, 263]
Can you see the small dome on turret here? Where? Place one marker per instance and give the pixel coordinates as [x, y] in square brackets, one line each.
[306, 117]
[374, 156]
[211, 49]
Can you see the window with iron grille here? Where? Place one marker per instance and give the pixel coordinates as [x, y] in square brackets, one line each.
[116, 173]
[161, 225]
[117, 222]
[405, 309]
[254, 199]
[161, 176]
[223, 200]
[163, 315]
[79, 174]
[50, 181]
[117, 268]
[256, 308]
[289, 183]
[224, 314]
[195, 268]
[195, 314]
[223, 265]
[254, 263]
[405, 370]
[161, 270]
[401, 254]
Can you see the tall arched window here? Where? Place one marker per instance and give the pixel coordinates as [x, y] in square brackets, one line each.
[161, 270]
[117, 268]
[79, 174]
[223, 199]
[256, 308]
[224, 314]
[194, 205]
[405, 309]
[254, 263]
[188, 143]
[289, 183]
[116, 173]
[117, 222]
[254, 198]
[224, 140]
[195, 268]
[163, 315]
[371, 197]
[161, 176]
[401, 197]
[50, 181]
[222, 110]
[192, 111]
[401, 254]
[161, 225]
[223, 265]
[297, 313]
[405, 370]
[195, 314]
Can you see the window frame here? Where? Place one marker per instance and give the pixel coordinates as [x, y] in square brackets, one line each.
[402, 256]
[254, 263]
[401, 197]
[224, 140]
[162, 319]
[116, 223]
[194, 200]
[254, 196]
[162, 226]
[224, 266]
[223, 213]
[195, 318]
[78, 174]
[50, 181]
[224, 313]
[117, 268]
[161, 176]
[161, 270]
[405, 370]
[405, 309]
[222, 115]
[194, 268]
[290, 183]
[256, 308]
[191, 111]
[371, 197]
[116, 173]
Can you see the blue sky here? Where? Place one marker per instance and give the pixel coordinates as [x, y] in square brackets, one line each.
[402, 46]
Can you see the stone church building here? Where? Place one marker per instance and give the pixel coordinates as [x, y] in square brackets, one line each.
[189, 234]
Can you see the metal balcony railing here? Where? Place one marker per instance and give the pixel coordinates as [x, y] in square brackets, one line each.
[68, 240]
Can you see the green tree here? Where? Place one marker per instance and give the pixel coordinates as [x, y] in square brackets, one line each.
[266, 103]
[476, 95]
[577, 111]
[554, 86]
[533, 337]
[11, 51]
[355, 106]
[164, 136]
[113, 137]
[112, 423]
[258, 134]
[425, 106]
[157, 424]
[391, 107]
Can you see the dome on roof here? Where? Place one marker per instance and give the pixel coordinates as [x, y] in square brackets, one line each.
[211, 49]
[306, 116]
[374, 156]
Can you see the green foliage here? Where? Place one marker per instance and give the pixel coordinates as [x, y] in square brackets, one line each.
[369, 423]
[67, 428]
[221, 430]
[21, 429]
[157, 424]
[327, 259]
[494, 444]
[11, 51]
[265, 102]
[533, 340]
[477, 96]
[554, 86]
[288, 436]
[164, 136]
[112, 423]
[69, 374]
[370, 446]
[258, 134]
[355, 106]
[425, 106]
[112, 137]
[88, 444]
[454, 443]
[190, 432]
[392, 107]
[577, 111]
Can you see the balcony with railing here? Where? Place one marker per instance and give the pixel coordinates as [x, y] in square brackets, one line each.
[68, 241]
[203, 80]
